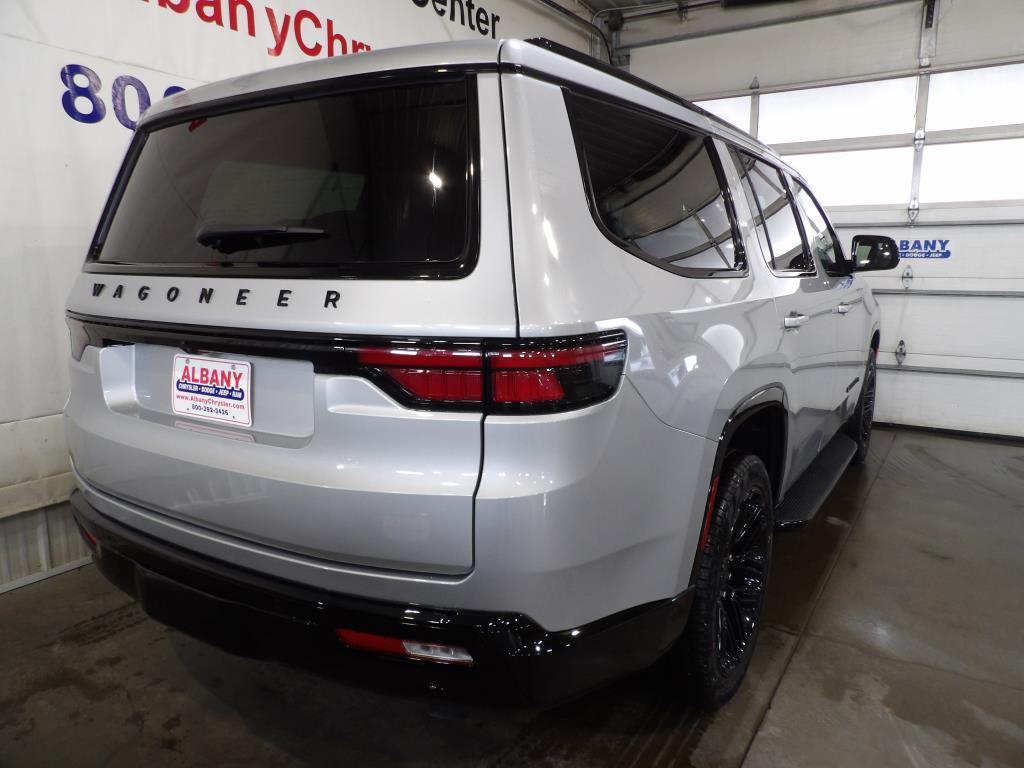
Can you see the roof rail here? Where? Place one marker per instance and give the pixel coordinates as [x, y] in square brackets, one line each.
[639, 82]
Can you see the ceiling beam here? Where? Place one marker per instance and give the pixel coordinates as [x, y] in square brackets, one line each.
[753, 23]
[579, 21]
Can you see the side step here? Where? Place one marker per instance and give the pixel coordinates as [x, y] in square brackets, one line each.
[808, 493]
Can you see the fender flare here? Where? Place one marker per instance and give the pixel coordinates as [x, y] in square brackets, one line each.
[770, 396]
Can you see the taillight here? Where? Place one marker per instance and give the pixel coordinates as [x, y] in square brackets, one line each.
[427, 375]
[525, 376]
[545, 376]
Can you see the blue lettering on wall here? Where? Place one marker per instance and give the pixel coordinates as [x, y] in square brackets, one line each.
[925, 249]
[82, 100]
[117, 98]
[76, 90]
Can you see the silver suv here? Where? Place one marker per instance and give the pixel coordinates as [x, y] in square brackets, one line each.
[478, 354]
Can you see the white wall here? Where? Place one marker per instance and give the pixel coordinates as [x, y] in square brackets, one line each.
[55, 171]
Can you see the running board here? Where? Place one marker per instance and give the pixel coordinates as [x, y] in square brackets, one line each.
[808, 493]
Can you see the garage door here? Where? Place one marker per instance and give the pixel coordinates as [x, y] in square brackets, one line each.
[933, 161]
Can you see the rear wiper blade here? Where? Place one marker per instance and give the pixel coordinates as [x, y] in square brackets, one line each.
[249, 238]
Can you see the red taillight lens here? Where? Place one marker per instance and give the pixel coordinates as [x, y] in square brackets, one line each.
[429, 375]
[543, 376]
[539, 376]
[526, 387]
[94, 545]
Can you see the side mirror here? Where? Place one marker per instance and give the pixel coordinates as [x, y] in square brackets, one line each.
[874, 252]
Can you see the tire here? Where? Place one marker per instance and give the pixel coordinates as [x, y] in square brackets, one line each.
[731, 582]
[859, 426]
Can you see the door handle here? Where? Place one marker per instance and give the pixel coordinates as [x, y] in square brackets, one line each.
[794, 320]
[843, 308]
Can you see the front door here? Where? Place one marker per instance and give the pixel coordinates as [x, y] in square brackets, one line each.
[852, 320]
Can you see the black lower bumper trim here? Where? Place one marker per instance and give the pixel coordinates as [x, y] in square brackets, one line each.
[225, 604]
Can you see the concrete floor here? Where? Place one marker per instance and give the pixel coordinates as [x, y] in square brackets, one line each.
[895, 638]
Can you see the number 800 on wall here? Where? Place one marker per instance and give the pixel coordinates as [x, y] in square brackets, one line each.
[83, 101]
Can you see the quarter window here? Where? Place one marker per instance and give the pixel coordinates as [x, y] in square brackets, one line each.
[655, 187]
[774, 219]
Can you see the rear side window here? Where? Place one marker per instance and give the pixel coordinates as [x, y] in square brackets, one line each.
[655, 187]
[375, 182]
[774, 218]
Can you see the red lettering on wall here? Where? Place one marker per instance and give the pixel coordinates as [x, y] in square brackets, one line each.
[209, 11]
[301, 16]
[335, 37]
[233, 6]
[313, 34]
[178, 6]
[280, 33]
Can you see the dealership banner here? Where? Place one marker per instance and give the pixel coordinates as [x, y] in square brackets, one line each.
[77, 75]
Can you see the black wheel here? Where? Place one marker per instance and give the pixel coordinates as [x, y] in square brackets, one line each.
[859, 426]
[731, 581]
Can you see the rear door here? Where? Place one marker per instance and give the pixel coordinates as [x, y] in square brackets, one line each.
[805, 307]
[337, 248]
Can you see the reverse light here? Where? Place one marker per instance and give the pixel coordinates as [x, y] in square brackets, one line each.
[442, 654]
[410, 649]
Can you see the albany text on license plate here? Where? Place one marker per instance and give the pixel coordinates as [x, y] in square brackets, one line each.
[213, 390]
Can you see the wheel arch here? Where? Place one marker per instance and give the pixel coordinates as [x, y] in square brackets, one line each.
[758, 425]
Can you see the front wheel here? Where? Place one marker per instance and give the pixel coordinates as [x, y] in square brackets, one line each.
[859, 426]
[731, 581]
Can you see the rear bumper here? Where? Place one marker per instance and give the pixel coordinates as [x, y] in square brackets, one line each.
[207, 597]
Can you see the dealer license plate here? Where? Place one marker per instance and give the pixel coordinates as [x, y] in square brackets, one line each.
[212, 389]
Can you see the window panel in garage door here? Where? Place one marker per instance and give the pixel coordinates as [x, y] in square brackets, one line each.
[977, 170]
[735, 111]
[838, 111]
[976, 98]
[859, 177]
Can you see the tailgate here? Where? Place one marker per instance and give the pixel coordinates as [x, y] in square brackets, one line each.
[262, 231]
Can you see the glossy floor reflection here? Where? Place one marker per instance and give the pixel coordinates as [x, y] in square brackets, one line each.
[895, 637]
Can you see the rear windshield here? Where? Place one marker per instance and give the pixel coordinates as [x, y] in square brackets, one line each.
[375, 182]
